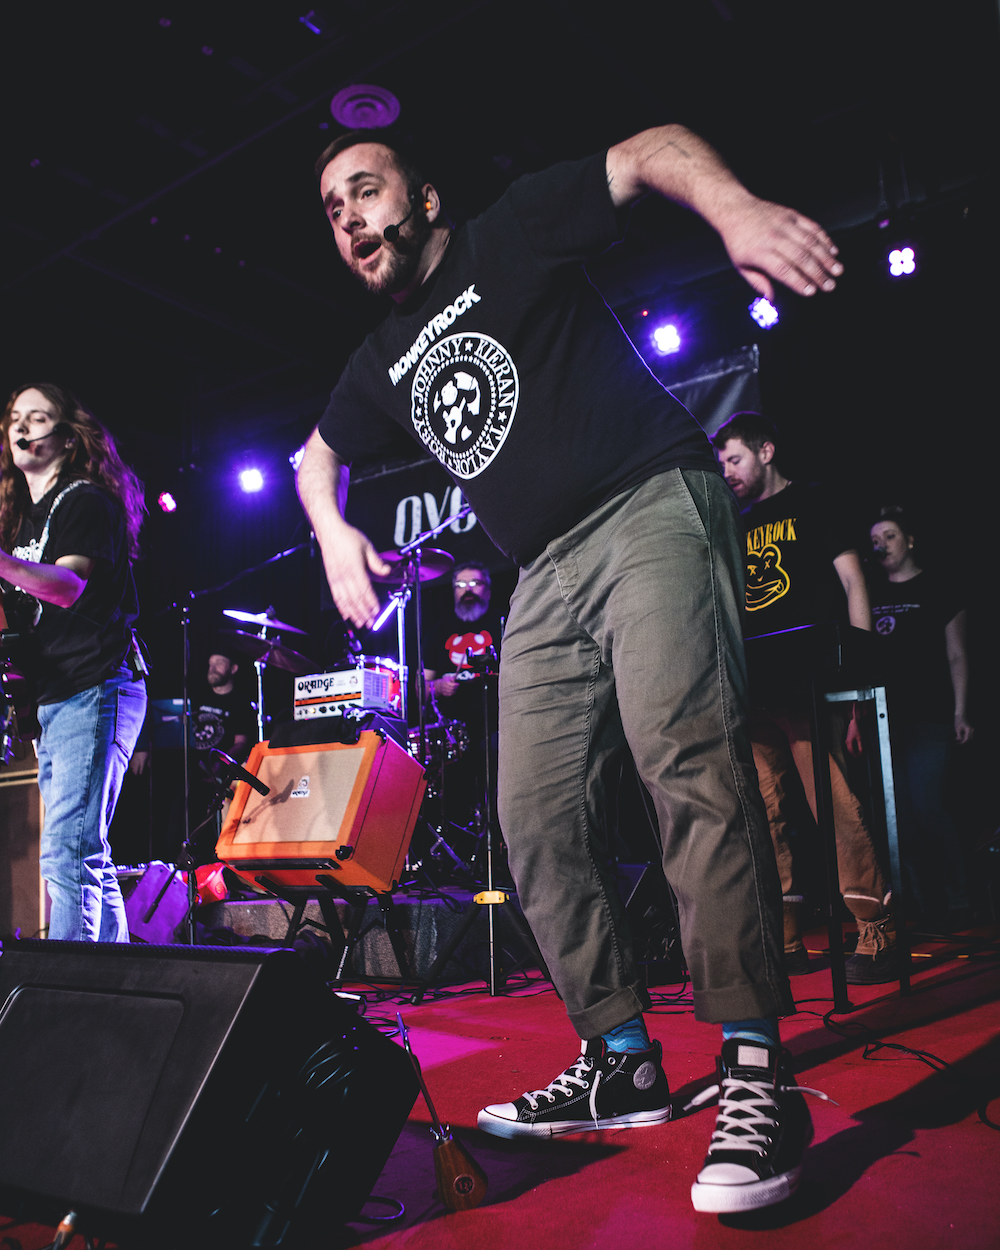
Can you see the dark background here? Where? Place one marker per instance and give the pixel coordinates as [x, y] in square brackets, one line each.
[165, 256]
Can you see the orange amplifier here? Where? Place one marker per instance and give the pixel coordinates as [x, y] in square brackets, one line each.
[334, 810]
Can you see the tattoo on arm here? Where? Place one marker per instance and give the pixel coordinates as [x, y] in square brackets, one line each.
[671, 144]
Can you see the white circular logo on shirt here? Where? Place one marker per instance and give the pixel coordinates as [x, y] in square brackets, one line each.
[885, 624]
[463, 398]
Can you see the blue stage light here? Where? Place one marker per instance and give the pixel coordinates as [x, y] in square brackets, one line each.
[763, 312]
[251, 480]
[666, 339]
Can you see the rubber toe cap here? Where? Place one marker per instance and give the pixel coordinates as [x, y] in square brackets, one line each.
[502, 1110]
[726, 1174]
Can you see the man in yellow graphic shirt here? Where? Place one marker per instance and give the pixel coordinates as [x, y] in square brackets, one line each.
[802, 570]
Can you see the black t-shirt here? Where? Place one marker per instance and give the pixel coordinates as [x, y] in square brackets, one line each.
[446, 651]
[510, 368]
[908, 620]
[82, 645]
[792, 540]
[216, 719]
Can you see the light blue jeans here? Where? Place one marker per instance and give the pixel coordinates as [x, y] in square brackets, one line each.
[84, 748]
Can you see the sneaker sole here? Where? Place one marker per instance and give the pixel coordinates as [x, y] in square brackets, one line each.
[720, 1199]
[519, 1128]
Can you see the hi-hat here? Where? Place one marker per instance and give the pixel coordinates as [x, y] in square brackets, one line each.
[261, 618]
[266, 651]
[433, 563]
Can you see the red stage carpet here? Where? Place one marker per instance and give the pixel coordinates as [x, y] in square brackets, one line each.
[904, 1161]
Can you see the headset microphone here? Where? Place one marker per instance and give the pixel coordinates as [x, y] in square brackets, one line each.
[391, 233]
[25, 443]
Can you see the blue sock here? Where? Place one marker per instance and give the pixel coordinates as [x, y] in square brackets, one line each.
[629, 1037]
[763, 1030]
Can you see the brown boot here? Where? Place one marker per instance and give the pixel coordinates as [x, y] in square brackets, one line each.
[876, 959]
[796, 962]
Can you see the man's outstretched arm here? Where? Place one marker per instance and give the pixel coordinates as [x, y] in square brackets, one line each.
[764, 240]
[348, 556]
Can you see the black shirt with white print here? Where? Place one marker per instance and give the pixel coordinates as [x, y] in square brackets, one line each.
[509, 367]
[218, 719]
[82, 645]
[908, 622]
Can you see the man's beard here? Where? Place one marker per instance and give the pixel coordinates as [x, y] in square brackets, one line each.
[470, 611]
[403, 259]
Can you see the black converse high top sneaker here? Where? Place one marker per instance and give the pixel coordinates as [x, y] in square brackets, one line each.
[603, 1089]
[761, 1131]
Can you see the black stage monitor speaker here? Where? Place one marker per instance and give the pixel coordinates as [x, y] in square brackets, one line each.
[189, 1096]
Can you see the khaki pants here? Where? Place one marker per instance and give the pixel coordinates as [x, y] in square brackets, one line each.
[782, 742]
[627, 630]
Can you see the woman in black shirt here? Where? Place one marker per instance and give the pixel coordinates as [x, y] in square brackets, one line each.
[919, 625]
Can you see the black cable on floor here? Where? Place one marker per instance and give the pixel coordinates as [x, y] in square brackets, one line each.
[857, 1031]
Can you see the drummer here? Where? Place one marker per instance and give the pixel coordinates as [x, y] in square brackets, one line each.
[471, 625]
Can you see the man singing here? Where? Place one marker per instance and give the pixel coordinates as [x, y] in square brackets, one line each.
[70, 512]
[503, 360]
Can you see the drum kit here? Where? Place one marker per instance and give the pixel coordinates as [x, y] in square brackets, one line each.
[437, 744]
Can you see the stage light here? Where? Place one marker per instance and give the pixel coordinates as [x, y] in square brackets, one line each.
[902, 262]
[363, 106]
[251, 480]
[295, 459]
[167, 502]
[667, 339]
[763, 312]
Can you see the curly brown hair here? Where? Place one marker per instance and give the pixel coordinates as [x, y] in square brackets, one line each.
[92, 456]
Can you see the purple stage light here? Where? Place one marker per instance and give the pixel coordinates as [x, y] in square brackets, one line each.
[295, 459]
[251, 481]
[666, 339]
[902, 262]
[763, 312]
[167, 502]
[363, 106]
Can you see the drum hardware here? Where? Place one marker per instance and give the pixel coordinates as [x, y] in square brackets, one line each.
[269, 651]
[263, 618]
[183, 609]
[266, 651]
[407, 573]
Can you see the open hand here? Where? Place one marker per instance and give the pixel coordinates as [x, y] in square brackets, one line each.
[766, 240]
[349, 559]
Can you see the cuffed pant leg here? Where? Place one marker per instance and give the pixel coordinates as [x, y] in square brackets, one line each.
[651, 586]
[559, 734]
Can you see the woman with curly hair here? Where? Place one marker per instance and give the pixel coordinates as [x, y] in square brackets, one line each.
[70, 512]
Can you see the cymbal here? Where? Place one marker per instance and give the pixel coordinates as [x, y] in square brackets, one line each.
[262, 618]
[265, 651]
[433, 563]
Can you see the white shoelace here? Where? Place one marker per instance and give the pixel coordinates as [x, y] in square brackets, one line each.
[562, 1084]
[758, 1098]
